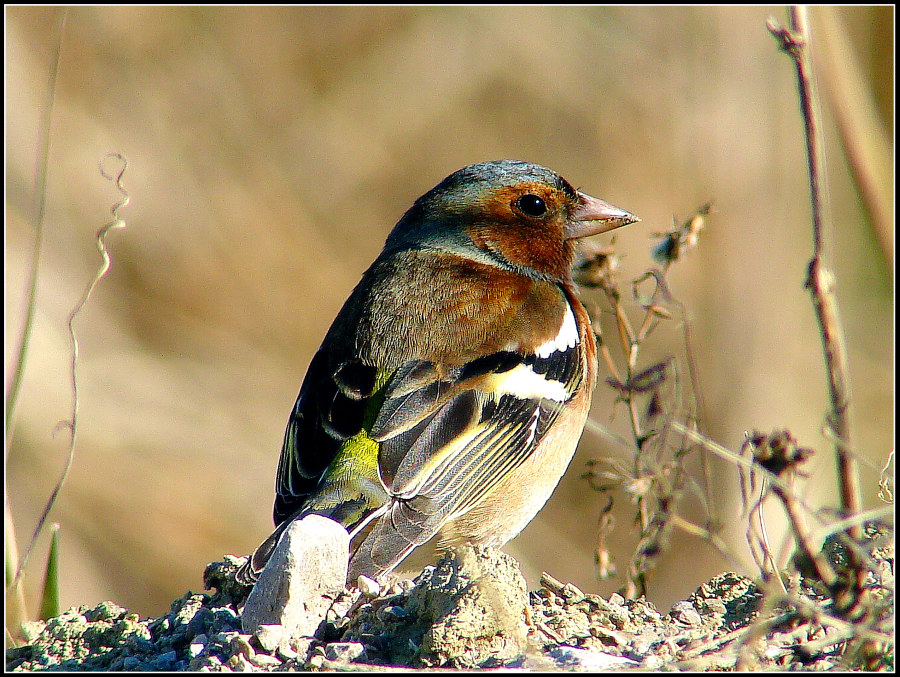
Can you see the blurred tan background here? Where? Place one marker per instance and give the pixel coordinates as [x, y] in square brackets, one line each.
[271, 151]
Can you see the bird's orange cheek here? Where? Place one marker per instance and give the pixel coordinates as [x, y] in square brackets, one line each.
[521, 245]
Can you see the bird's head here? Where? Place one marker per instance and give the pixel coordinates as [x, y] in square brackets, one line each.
[514, 215]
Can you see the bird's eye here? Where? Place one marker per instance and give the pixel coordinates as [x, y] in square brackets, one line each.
[532, 205]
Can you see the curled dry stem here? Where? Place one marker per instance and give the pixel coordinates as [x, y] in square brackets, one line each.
[72, 423]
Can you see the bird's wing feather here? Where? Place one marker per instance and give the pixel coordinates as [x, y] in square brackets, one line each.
[446, 443]
[329, 412]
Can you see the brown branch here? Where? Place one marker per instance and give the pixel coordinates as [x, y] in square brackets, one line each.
[795, 41]
[820, 281]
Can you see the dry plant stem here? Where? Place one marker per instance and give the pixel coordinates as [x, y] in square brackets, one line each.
[725, 453]
[609, 362]
[15, 595]
[823, 568]
[820, 281]
[769, 558]
[692, 370]
[864, 137]
[821, 284]
[716, 643]
[40, 183]
[16, 612]
[630, 348]
[697, 392]
[72, 423]
[872, 515]
[700, 532]
[635, 583]
[631, 342]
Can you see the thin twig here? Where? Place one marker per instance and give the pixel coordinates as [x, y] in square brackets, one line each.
[823, 568]
[654, 490]
[820, 281]
[72, 423]
[772, 479]
[764, 537]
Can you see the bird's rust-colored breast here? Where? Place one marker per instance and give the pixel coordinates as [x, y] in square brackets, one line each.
[471, 309]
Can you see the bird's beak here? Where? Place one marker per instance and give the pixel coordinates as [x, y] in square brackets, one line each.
[594, 216]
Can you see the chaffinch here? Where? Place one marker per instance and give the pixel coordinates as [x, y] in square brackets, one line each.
[450, 392]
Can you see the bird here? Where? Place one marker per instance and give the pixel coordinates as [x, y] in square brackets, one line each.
[450, 392]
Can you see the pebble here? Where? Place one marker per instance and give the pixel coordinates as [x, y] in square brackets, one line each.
[241, 644]
[306, 572]
[569, 658]
[368, 587]
[269, 636]
[197, 645]
[344, 652]
[684, 612]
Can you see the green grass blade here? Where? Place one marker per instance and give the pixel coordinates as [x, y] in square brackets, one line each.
[50, 596]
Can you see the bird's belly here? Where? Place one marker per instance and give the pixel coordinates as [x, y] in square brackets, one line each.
[508, 509]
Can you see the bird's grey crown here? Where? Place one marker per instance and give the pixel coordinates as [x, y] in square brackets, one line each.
[431, 218]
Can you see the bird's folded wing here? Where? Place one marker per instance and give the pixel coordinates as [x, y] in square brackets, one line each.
[447, 441]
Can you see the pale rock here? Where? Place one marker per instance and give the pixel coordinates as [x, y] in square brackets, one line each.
[307, 570]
